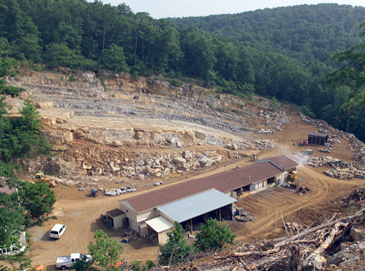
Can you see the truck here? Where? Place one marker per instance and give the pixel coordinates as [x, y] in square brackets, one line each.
[68, 261]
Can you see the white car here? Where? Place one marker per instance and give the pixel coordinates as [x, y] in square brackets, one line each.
[57, 231]
[15, 250]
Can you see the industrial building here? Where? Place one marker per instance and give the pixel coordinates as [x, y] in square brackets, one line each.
[317, 138]
[194, 201]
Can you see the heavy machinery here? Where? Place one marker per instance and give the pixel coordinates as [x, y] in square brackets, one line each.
[41, 177]
[303, 143]
[292, 176]
[254, 157]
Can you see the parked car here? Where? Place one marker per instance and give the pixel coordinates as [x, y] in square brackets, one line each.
[57, 231]
[68, 261]
[94, 192]
[126, 239]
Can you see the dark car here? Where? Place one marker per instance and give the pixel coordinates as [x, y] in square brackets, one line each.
[94, 192]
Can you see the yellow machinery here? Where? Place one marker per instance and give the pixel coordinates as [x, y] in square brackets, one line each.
[41, 177]
[254, 157]
[293, 176]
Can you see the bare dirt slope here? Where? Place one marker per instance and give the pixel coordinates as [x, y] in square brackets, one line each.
[92, 127]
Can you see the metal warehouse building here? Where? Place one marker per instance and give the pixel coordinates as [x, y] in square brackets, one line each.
[317, 138]
[194, 201]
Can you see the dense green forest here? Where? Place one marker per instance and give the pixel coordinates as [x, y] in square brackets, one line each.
[282, 52]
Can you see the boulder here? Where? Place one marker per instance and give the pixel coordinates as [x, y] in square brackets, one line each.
[357, 234]
[206, 162]
[114, 167]
[52, 184]
[140, 177]
[179, 160]
[340, 257]
[187, 155]
[315, 263]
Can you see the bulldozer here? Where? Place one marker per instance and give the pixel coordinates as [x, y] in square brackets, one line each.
[40, 177]
[254, 157]
[292, 176]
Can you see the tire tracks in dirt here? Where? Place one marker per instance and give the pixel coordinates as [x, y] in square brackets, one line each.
[268, 206]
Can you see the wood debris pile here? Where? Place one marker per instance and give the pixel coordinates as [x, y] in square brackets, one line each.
[356, 196]
[302, 249]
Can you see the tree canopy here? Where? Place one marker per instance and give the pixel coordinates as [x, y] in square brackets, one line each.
[106, 251]
[176, 249]
[213, 236]
[281, 52]
[20, 138]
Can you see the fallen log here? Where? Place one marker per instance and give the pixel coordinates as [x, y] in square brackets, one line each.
[310, 230]
[335, 231]
[251, 253]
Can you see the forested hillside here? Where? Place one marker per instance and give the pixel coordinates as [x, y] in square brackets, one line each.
[306, 32]
[280, 52]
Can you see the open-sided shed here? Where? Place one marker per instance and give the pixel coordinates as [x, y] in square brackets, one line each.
[317, 138]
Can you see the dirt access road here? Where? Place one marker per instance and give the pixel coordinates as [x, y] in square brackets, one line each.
[81, 213]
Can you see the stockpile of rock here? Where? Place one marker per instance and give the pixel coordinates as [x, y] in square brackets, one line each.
[326, 150]
[330, 140]
[266, 131]
[342, 173]
[328, 160]
[339, 168]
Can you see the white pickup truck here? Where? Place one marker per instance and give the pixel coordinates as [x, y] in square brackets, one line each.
[68, 261]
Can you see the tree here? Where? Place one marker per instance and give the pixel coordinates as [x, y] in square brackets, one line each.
[352, 72]
[83, 266]
[176, 248]
[106, 252]
[114, 59]
[213, 236]
[37, 199]
[23, 262]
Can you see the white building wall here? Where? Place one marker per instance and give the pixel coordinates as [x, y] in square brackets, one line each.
[131, 215]
[146, 215]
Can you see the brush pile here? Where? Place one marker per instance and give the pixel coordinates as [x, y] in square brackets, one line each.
[312, 248]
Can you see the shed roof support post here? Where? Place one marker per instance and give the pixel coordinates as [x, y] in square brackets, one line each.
[191, 226]
[220, 215]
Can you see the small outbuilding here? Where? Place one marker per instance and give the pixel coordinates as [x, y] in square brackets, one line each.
[317, 138]
[116, 219]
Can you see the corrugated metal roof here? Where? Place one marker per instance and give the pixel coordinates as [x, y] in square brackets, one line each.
[318, 134]
[195, 205]
[160, 224]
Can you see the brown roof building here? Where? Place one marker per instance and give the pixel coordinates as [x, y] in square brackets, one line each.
[7, 190]
[250, 178]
